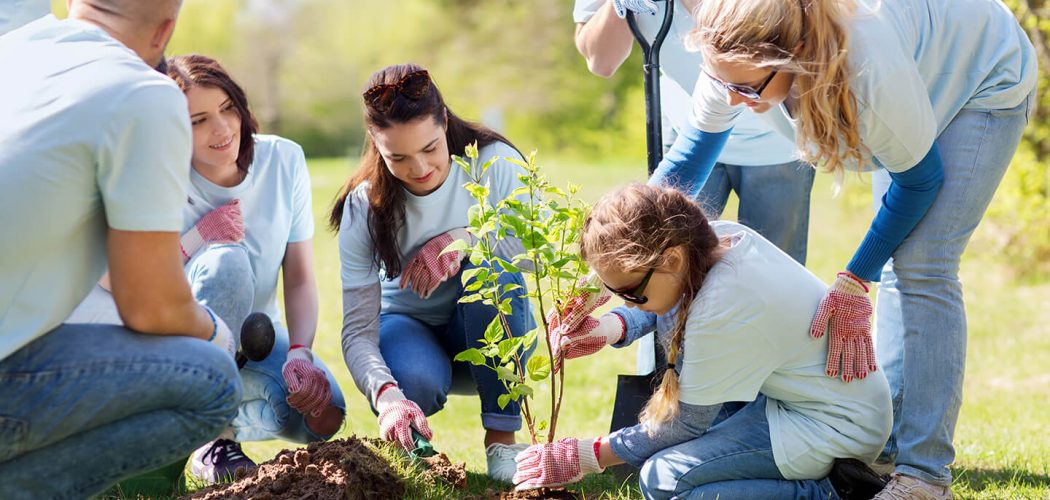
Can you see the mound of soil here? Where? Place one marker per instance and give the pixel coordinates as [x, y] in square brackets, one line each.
[539, 493]
[342, 469]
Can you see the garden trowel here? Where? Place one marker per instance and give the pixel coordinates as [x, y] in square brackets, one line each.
[423, 447]
[632, 391]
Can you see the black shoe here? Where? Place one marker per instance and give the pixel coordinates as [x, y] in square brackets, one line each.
[218, 461]
[854, 480]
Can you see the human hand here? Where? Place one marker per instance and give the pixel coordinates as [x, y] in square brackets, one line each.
[398, 416]
[222, 225]
[637, 6]
[429, 268]
[555, 464]
[308, 389]
[845, 313]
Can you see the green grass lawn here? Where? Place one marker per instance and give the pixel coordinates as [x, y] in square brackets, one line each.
[1003, 437]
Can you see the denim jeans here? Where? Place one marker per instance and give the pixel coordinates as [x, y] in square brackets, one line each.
[732, 460]
[420, 355]
[920, 321]
[774, 200]
[221, 277]
[88, 405]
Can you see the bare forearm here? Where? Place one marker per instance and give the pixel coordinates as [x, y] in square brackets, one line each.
[149, 287]
[300, 306]
[606, 456]
[604, 41]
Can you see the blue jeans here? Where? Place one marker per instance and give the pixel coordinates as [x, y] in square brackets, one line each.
[920, 321]
[420, 355]
[88, 405]
[774, 200]
[732, 460]
[221, 277]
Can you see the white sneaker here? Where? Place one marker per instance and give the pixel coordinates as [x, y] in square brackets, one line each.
[903, 487]
[500, 458]
[883, 468]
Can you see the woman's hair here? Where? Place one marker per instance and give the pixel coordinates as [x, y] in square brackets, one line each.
[630, 229]
[386, 195]
[196, 70]
[807, 38]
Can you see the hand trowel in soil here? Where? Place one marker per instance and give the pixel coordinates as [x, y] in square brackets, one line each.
[632, 391]
[423, 447]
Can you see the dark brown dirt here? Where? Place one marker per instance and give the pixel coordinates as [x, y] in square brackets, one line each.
[343, 469]
[540, 493]
[440, 468]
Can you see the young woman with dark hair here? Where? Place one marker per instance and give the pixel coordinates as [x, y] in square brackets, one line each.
[249, 219]
[403, 323]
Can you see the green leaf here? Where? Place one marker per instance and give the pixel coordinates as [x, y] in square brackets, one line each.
[507, 348]
[542, 425]
[477, 257]
[478, 191]
[505, 307]
[455, 246]
[472, 356]
[506, 374]
[510, 287]
[471, 150]
[538, 367]
[529, 339]
[474, 297]
[521, 390]
[475, 272]
[503, 400]
[494, 332]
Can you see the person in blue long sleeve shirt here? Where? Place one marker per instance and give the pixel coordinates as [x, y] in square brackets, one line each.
[904, 86]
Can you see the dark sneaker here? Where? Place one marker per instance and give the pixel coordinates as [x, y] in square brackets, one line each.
[218, 461]
[854, 480]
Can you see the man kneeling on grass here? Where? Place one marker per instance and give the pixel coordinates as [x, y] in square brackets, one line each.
[94, 155]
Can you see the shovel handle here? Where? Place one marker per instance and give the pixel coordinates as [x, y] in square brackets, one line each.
[423, 447]
[651, 69]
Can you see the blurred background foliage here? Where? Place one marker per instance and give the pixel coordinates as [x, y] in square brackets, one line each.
[513, 65]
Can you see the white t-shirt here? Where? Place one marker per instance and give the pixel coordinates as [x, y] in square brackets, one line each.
[425, 217]
[16, 13]
[748, 332]
[91, 138]
[276, 203]
[752, 142]
[915, 64]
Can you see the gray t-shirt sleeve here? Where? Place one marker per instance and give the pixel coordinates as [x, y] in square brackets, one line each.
[360, 340]
[635, 445]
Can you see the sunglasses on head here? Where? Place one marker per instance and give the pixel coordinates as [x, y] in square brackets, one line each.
[413, 86]
[745, 91]
[634, 294]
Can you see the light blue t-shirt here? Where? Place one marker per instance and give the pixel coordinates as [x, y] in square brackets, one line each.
[91, 137]
[276, 203]
[425, 217]
[753, 141]
[915, 64]
[748, 333]
[16, 13]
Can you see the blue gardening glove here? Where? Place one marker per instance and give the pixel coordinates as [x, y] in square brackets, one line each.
[637, 6]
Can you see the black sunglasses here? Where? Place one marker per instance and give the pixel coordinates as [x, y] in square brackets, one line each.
[634, 294]
[413, 86]
[746, 91]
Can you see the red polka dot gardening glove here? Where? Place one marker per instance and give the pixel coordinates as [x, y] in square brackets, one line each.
[845, 314]
[429, 268]
[398, 415]
[555, 464]
[222, 225]
[308, 389]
